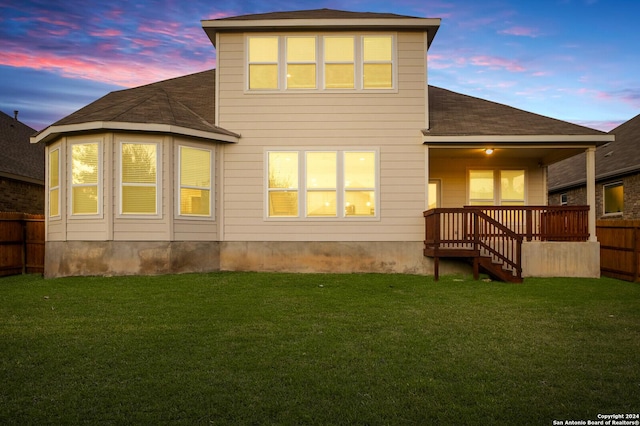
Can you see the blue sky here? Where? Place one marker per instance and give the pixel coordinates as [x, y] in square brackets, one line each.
[575, 60]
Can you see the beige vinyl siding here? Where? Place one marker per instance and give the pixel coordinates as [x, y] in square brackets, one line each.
[389, 122]
[453, 173]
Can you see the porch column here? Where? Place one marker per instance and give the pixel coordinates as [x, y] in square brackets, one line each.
[591, 192]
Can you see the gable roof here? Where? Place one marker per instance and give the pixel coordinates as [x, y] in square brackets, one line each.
[613, 159]
[182, 105]
[326, 19]
[20, 160]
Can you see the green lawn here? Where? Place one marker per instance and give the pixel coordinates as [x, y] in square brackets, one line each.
[254, 348]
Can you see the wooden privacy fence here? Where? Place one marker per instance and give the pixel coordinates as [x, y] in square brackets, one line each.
[619, 248]
[21, 244]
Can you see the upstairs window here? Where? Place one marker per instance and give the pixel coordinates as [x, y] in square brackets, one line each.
[377, 62]
[195, 181]
[263, 63]
[139, 179]
[339, 63]
[54, 183]
[321, 63]
[301, 63]
[85, 178]
[613, 198]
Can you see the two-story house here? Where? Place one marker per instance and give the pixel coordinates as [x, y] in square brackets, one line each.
[316, 145]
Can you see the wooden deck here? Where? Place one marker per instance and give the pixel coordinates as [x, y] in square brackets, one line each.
[491, 237]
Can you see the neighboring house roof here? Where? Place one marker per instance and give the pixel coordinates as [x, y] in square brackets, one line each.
[327, 19]
[182, 105]
[613, 159]
[20, 160]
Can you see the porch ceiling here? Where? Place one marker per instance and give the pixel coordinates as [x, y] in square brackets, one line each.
[543, 155]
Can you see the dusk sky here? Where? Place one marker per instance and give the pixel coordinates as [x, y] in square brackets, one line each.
[575, 60]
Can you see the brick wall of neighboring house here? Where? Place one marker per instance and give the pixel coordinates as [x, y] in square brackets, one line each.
[23, 197]
[631, 188]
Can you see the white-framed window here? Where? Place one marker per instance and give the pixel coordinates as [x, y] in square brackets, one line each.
[54, 183]
[195, 175]
[377, 62]
[301, 62]
[360, 62]
[490, 187]
[139, 179]
[613, 197]
[316, 184]
[564, 199]
[263, 58]
[339, 62]
[86, 178]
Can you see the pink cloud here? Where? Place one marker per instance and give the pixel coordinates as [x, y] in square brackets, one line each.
[521, 32]
[494, 62]
[109, 32]
[116, 71]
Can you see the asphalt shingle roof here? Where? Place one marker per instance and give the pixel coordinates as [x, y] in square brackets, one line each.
[18, 156]
[186, 101]
[314, 14]
[612, 159]
[455, 114]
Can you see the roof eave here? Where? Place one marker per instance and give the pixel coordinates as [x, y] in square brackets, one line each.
[430, 25]
[53, 132]
[518, 140]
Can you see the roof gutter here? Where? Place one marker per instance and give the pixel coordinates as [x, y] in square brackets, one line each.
[53, 132]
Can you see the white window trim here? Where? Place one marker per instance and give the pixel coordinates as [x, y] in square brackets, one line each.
[497, 191]
[99, 213]
[59, 215]
[604, 201]
[179, 186]
[340, 189]
[320, 62]
[158, 184]
[564, 199]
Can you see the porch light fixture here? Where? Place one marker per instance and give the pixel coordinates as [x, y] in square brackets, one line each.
[488, 151]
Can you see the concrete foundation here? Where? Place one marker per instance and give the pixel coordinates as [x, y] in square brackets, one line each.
[82, 258]
[561, 259]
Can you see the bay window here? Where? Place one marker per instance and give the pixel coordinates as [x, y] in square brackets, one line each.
[139, 179]
[54, 182]
[322, 184]
[195, 179]
[85, 178]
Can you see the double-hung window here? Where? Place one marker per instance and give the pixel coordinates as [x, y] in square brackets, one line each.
[54, 182]
[331, 62]
[339, 62]
[301, 63]
[322, 184]
[195, 181]
[139, 178]
[263, 67]
[85, 178]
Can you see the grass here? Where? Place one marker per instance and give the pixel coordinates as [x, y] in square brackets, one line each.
[254, 348]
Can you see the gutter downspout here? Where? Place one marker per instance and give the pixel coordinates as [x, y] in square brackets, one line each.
[591, 192]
